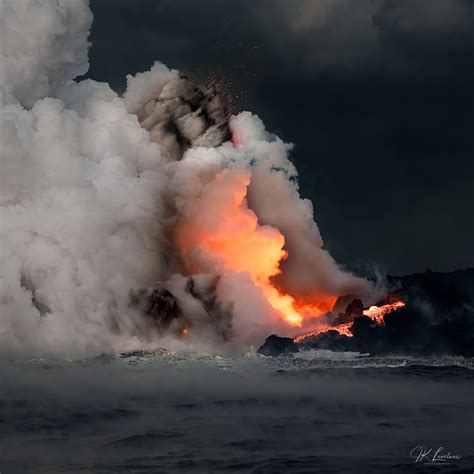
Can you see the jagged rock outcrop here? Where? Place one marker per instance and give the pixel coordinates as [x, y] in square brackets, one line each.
[438, 319]
[275, 345]
[184, 306]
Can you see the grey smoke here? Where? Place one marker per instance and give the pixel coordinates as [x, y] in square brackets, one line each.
[183, 115]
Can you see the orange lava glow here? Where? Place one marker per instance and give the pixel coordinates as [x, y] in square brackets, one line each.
[378, 312]
[341, 329]
[219, 231]
[375, 312]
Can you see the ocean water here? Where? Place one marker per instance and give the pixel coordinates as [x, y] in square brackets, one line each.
[317, 411]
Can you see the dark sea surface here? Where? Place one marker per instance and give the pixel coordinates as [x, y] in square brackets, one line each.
[157, 413]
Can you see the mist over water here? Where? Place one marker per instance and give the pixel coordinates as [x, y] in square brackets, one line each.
[148, 243]
[206, 413]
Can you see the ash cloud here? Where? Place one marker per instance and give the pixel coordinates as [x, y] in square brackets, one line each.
[177, 113]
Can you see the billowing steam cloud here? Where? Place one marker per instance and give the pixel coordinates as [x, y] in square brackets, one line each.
[124, 220]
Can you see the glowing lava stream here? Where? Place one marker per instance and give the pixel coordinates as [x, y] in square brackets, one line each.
[374, 312]
[378, 312]
[218, 232]
[341, 329]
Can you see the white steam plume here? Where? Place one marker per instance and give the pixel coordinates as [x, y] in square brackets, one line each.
[90, 199]
[42, 44]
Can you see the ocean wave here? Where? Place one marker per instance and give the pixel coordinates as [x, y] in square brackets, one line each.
[318, 359]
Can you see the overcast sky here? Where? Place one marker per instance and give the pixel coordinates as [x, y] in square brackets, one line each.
[376, 95]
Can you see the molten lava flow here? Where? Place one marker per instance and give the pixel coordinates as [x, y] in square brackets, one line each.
[341, 329]
[219, 232]
[378, 312]
[374, 312]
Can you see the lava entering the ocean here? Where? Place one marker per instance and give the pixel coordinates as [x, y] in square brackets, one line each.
[376, 313]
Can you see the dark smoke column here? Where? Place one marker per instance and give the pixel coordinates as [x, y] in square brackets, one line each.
[185, 115]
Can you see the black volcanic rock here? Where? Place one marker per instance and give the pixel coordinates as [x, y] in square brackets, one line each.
[353, 310]
[438, 319]
[443, 295]
[330, 340]
[163, 311]
[275, 345]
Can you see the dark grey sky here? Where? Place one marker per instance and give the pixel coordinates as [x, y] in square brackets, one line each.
[377, 95]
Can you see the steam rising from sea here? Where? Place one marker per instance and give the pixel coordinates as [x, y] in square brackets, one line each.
[93, 188]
